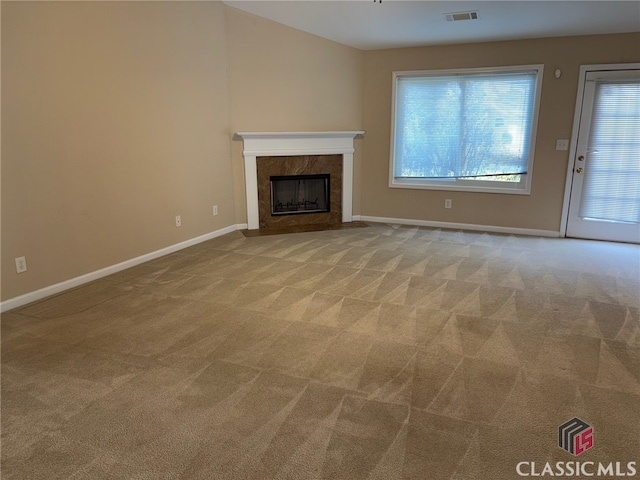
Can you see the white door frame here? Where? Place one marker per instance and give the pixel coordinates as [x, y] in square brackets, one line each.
[584, 69]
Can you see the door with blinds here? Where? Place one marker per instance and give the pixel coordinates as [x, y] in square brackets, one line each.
[605, 191]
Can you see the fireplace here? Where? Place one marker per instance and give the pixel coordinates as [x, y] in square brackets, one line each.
[300, 194]
[299, 149]
[299, 190]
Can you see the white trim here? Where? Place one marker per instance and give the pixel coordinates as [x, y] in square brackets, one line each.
[282, 144]
[103, 272]
[458, 186]
[297, 151]
[584, 70]
[348, 134]
[30, 297]
[463, 226]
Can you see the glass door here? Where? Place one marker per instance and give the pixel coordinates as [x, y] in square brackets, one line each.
[605, 192]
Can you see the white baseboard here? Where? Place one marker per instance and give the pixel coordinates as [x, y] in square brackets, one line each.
[90, 277]
[103, 272]
[462, 226]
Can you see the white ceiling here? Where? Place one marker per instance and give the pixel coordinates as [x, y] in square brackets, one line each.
[369, 25]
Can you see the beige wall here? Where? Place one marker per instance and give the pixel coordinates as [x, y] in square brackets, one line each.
[114, 120]
[282, 80]
[540, 210]
[117, 116]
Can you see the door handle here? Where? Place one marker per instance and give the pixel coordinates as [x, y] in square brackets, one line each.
[581, 158]
[579, 170]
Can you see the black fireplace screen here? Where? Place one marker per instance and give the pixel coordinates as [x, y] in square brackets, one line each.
[295, 194]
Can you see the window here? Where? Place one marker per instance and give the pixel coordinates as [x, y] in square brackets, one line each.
[471, 129]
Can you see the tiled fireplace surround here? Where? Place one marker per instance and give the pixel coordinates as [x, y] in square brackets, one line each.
[297, 153]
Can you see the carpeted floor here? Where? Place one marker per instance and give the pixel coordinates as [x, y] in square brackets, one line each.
[380, 353]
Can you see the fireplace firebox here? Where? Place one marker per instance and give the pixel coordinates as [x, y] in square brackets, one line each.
[300, 194]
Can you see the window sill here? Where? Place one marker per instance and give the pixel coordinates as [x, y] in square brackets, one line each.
[462, 186]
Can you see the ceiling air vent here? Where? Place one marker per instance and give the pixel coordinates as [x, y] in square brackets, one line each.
[456, 17]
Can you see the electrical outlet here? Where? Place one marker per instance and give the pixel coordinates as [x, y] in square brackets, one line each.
[562, 144]
[21, 264]
[447, 203]
[215, 210]
[178, 221]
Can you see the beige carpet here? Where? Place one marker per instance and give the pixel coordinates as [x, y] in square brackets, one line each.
[375, 353]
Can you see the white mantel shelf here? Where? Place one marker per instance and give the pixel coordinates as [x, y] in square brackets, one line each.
[293, 143]
[340, 133]
[274, 144]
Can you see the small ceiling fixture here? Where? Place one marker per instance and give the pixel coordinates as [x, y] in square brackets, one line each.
[458, 16]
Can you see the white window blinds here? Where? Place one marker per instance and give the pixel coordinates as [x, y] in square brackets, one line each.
[463, 126]
[611, 190]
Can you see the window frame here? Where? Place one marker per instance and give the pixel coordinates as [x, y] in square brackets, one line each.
[523, 187]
